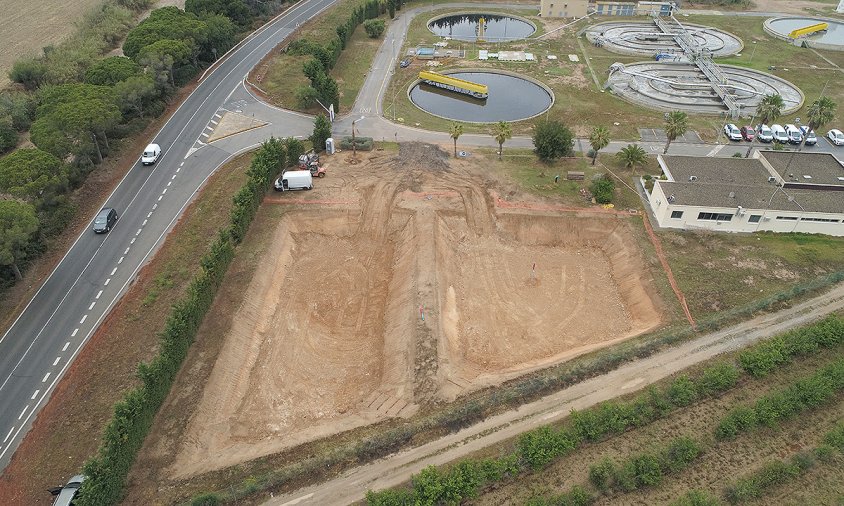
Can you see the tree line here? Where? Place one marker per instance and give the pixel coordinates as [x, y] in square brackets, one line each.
[75, 104]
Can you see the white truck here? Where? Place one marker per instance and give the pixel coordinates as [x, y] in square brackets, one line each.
[294, 180]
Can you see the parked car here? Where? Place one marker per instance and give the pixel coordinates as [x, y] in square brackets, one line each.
[732, 132]
[811, 138]
[764, 133]
[835, 136]
[795, 135]
[151, 154]
[748, 133]
[105, 220]
[405, 63]
[65, 495]
[779, 133]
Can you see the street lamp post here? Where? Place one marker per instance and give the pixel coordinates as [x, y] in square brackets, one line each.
[354, 144]
[752, 52]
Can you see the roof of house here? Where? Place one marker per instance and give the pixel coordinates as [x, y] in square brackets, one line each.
[734, 182]
[821, 168]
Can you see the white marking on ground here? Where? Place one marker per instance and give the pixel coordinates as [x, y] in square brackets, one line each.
[107, 282]
[35, 394]
[715, 150]
[73, 334]
[144, 223]
[9, 434]
[46, 376]
[22, 412]
[84, 317]
[126, 252]
[113, 271]
[92, 305]
[120, 261]
[56, 361]
[64, 348]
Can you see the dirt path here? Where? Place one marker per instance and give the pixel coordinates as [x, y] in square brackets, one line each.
[398, 468]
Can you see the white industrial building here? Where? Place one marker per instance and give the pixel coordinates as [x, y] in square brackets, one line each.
[774, 191]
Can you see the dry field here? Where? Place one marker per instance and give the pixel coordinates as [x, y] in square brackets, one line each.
[395, 283]
[26, 27]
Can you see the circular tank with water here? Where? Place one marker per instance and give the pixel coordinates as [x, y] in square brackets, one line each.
[496, 27]
[511, 98]
[832, 38]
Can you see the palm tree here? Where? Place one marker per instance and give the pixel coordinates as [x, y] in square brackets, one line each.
[768, 110]
[599, 139]
[820, 113]
[455, 131]
[676, 125]
[501, 132]
[632, 155]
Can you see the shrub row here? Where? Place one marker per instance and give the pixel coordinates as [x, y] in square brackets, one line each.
[765, 357]
[361, 143]
[577, 496]
[800, 396]
[539, 447]
[770, 474]
[106, 472]
[696, 498]
[644, 470]
[776, 472]
[435, 486]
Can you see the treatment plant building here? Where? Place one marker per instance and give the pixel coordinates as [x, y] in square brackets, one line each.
[772, 191]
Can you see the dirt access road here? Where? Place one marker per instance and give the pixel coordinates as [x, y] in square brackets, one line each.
[398, 468]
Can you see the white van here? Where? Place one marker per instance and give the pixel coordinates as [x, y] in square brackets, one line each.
[294, 180]
[795, 135]
[764, 133]
[780, 134]
[151, 154]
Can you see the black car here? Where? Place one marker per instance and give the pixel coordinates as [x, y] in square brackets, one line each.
[105, 220]
[405, 63]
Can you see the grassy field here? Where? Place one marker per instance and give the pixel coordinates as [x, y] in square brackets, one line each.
[26, 27]
[581, 104]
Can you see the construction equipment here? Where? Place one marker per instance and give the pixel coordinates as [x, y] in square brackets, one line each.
[306, 159]
[316, 169]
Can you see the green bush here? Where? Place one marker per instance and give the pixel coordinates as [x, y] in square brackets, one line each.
[679, 453]
[540, 446]
[648, 470]
[754, 486]
[207, 499]
[696, 498]
[363, 143]
[601, 473]
[718, 378]
[374, 27]
[603, 189]
[577, 496]
[835, 438]
[682, 391]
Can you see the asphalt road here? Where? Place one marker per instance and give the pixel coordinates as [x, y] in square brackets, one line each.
[58, 321]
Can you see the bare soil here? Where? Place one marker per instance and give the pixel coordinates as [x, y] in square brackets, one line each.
[397, 282]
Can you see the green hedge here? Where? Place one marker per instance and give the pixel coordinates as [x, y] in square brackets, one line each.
[771, 474]
[106, 472]
[362, 143]
[646, 469]
[764, 358]
[800, 396]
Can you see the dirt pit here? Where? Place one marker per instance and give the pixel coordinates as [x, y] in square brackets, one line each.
[398, 282]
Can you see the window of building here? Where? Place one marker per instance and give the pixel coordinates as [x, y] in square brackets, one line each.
[677, 214]
[715, 216]
[822, 220]
[787, 218]
[754, 218]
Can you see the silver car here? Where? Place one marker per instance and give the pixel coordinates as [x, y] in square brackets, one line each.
[66, 494]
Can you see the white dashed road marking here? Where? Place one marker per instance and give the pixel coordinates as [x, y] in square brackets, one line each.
[107, 282]
[113, 271]
[84, 317]
[34, 395]
[121, 260]
[91, 306]
[73, 334]
[22, 412]
[56, 362]
[46, 376]
[64, 348]
[8, 435]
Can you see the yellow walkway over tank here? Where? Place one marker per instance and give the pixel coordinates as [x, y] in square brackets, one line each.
[819, 27]
[461, 84]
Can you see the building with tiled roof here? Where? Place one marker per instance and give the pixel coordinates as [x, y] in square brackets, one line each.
[773, 191]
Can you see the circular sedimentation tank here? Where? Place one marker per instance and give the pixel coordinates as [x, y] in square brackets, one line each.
[832, 38]
[465, 26]
[668, 87]
[637, 38]
[512, 97]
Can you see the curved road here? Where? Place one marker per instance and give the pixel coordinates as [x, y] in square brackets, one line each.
[63, 314]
